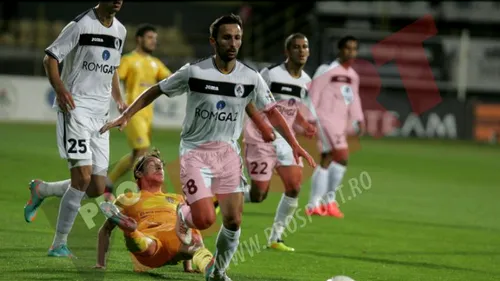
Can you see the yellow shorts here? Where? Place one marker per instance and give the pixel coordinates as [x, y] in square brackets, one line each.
[168, 247]
[138, 131]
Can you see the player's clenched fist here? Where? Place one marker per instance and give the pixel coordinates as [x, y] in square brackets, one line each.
[121, 121]
[65, 100]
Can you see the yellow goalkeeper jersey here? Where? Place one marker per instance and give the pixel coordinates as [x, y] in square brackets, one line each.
[139, 72]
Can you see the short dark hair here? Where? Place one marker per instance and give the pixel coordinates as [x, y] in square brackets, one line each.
[343, 41]
[289, 39]
[143, 29]
[227, 19]
[140, 163]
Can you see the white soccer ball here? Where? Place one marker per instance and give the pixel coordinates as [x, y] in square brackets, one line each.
[340, 278]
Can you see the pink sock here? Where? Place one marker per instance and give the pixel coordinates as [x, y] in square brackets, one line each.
[186, 211]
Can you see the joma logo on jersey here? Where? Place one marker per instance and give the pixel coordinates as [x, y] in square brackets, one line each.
[97, 67]
[211, 88]
[219, 115]
[95, 39]
[286, 89]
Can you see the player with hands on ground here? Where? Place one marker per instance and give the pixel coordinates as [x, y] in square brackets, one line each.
[219, 89]
[288, 83]
[148, 219]
[91, 47]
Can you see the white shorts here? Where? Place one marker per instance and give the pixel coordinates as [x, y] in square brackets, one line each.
[80, 142]
[214, 169]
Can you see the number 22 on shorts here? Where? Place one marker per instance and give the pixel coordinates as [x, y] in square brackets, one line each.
[254, 167]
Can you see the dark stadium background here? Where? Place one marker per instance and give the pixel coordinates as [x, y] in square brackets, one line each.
[432, 211]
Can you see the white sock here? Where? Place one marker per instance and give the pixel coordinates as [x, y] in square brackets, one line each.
[226, 245]
[284, 213]
[68, 210]
[319, 186]
[57, 188]
[335, 175]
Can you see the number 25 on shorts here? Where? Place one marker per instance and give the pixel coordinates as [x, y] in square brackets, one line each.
[77, 146]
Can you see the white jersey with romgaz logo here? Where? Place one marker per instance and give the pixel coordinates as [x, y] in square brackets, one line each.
[91, 53]
[290, 93]
[216, 102]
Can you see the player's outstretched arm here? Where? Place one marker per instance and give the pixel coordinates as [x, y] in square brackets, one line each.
[142, 101]
[103, 243]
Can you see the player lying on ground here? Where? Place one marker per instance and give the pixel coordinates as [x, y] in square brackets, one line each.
[148, 220]
[288, 83]
[139, 70]
[83, 93]
[335, 95]
[219, 89]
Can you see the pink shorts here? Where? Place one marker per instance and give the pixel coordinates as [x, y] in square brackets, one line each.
[211, 170]
[330, 139]
[262, 158]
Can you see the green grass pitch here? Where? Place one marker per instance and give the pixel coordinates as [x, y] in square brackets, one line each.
[431, 213]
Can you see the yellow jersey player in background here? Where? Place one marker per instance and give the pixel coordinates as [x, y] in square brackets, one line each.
[148, 219]
[139, 70]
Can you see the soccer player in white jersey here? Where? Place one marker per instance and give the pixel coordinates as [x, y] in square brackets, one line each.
[91, 47]
[219, 89]
[288, 83]
[335, 95]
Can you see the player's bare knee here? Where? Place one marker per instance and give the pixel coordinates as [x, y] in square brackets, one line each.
[97, 186]
[340, 156]
[258, 193]
[82, 182]
[80, 178]
[342, 162]
[326, 159]
[204, 221]
[293, 192]
[292, 185]
[258, 196]
[232, 222]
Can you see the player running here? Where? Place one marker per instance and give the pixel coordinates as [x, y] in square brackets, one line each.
[91, 47]
[148, 219]
[335, 95]
[139, 70]
[288, 83]
[219, 88]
